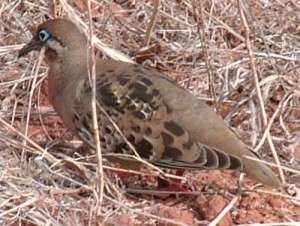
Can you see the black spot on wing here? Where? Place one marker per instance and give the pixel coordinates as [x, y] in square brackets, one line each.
[107, 96]
[136, 129]
[111, 102]
[107, 130]
[147, 110]
[87, 125]
[148, 131]
[146, 81]
[174, 128]
[156, 92]
[172, 152]
[155, 107]
[138, 87]
[120, 148]
[131, 139]
[104, 89]
[139, 115]
[110, 71]
[131, 107]
[102, 139]
[167, 139]
[88, 89]
[142, 95]
[76, 118]
[144, 148]
[123, 80]
[120, 109]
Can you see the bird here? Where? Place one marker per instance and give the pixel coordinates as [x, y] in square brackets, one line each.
[166, 124]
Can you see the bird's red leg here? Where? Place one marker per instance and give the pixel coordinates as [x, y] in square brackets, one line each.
[174, 185]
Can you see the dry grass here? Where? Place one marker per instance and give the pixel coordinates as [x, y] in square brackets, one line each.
[243, 58]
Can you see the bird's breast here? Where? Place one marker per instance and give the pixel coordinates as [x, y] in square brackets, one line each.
[61, 96]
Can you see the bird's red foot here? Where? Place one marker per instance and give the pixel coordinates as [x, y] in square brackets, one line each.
[174, 185]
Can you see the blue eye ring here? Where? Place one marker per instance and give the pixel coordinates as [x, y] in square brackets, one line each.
[44, 35]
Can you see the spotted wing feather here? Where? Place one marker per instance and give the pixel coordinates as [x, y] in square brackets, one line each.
[147, 122]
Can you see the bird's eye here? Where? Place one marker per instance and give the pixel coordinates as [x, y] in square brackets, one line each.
[44, 35]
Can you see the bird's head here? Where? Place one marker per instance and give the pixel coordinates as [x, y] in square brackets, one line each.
[59, 36]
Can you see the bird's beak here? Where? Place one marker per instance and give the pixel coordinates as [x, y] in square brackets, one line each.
[32, 45]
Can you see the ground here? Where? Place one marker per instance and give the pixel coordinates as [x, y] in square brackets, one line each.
[241, 57]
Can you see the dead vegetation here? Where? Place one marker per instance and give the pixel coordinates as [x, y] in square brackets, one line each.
[240, 56]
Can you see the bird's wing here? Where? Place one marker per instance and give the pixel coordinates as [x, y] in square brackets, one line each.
[147, 122]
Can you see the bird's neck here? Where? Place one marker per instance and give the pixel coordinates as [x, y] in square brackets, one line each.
[65, 69]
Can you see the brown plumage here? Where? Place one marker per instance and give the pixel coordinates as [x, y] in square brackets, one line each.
[167, 125]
